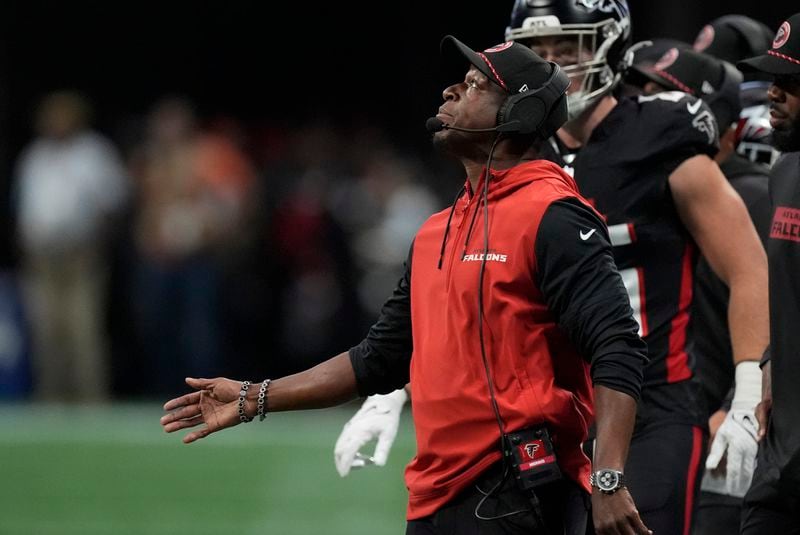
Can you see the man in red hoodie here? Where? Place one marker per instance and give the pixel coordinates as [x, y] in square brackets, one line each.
[515, 331]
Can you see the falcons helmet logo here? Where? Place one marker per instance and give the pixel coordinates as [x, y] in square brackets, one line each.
[606, 6]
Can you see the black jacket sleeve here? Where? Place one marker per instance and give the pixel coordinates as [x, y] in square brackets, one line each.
[583, 289]
[381, 361]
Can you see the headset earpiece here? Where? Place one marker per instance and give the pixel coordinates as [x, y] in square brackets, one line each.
[503, 111]
[526, 108]
[540, 111]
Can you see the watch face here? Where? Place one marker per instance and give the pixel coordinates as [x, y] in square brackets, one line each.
[607, 480]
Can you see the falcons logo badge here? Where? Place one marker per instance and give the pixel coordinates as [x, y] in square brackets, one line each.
[531, 449]
[704, 122]
[782, 35]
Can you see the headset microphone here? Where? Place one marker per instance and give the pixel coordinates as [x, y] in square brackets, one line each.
[434, 125]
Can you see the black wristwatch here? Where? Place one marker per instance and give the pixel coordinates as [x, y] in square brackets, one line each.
[607, 481]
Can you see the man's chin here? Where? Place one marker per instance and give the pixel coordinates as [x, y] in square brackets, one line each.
[441, 143]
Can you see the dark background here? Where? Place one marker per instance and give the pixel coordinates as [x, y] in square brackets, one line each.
[273, 62]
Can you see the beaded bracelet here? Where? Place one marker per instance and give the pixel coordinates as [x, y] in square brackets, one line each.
[242, 393]
[262, 398]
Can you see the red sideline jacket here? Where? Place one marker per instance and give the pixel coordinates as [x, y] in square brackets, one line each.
[553, 304]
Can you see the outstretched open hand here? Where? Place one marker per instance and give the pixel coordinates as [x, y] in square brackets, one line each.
[215, 404]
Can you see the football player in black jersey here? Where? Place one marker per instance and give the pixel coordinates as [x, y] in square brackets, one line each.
[647, 164]
[719, 504]
[773, 501]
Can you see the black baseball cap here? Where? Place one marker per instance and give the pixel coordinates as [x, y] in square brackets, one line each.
[784, 56]
[733, 38]
[646, 53]
[512, 66]
[681, 70]
[706, 77]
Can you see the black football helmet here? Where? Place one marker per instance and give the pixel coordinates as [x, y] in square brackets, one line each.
[602, 26]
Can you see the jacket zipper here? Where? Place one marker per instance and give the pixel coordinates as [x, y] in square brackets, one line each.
[456, 242]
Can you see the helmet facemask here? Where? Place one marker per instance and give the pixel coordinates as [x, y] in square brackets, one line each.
[592, 70]
[754, 131]
[754, 135]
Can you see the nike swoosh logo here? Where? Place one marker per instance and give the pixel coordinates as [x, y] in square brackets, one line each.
[693, 108]
[586, 235]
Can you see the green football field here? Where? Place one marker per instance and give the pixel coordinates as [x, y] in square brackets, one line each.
[112, 470]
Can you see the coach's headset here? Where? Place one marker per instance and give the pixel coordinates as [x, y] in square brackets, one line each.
[542, 111]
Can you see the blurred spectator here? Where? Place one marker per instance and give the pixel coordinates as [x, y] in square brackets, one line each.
[15, 365]
[245, 304]
[310, 253]
[193, 193]
[399, 201]
[347, 204]
[69, 186]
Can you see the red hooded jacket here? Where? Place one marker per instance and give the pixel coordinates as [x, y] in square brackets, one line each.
[548, 289]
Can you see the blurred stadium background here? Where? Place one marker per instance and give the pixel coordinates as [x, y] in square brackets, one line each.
[213, 188]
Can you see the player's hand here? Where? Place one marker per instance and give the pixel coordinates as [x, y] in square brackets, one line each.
[215, 403]
[736, 442]
[737, 438]
[379, 418]
[616, 514]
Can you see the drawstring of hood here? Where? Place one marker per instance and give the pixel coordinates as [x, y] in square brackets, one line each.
[447, 228]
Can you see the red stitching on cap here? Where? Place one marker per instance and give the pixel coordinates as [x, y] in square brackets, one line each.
[783, 56]
[489, 63]
[683, 87]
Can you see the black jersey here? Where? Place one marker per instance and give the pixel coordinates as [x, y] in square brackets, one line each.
[709, 326]
[782, 448]
[623, 170]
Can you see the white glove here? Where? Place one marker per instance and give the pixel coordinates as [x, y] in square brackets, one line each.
[379, 417]
[736, 438]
